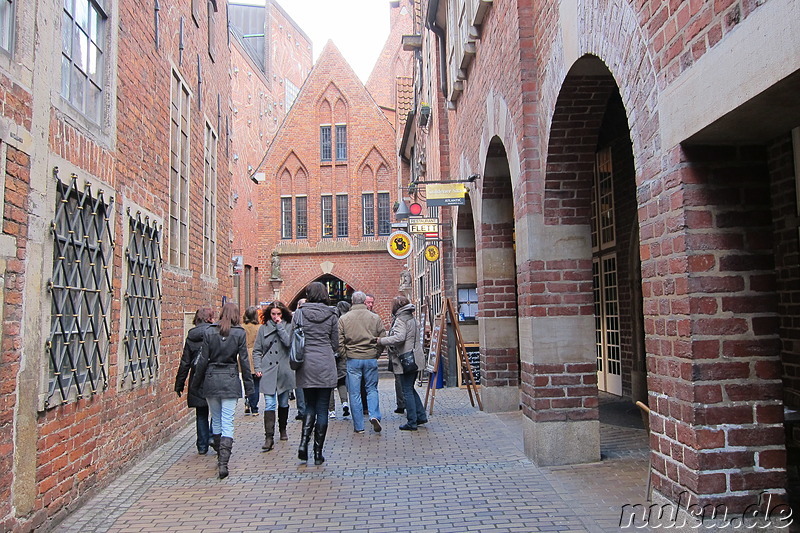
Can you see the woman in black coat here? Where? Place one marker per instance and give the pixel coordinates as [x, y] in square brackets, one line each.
[223, 358]
[194, 398]
[317, 376]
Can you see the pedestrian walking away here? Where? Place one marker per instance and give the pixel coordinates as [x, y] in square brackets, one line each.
[342, 307]
[251, 324]
[317, 375]
[404, 338]
[358, 330]
[271, 367]
[223, 358]
[194, 398]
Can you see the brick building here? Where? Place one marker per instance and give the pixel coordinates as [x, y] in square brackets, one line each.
[330, 182]
[270, 60]
[114, 148]
[634, 224]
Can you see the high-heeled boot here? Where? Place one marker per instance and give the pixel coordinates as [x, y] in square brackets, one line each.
[283, 418]
[319, 441]
[305, 436]
[215, 442]
[269, 430]
[225, 447]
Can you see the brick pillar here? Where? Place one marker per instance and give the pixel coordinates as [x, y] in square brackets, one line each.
[712, 331]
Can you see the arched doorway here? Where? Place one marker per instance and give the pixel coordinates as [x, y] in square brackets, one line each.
[338, 290]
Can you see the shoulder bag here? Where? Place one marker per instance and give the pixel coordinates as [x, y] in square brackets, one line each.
[297, 348]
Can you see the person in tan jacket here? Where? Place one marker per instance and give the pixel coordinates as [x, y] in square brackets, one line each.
[358, 329]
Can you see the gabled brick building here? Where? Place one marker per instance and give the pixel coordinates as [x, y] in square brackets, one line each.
[329, 189]
[634, 224]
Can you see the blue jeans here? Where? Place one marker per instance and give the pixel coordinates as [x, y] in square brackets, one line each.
[368, 369]
[222, 411]
[272, 401]
[203, 428]
[252, 400]
[415, 411]
[301, 401]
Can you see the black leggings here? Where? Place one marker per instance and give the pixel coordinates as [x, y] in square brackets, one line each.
[317, 404]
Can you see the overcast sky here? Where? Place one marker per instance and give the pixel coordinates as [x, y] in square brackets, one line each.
[359, 28]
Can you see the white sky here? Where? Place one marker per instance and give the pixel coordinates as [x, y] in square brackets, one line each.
[359, 28]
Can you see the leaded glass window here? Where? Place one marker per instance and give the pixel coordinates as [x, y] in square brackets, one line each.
[341, 215]
[368, 213]
[327, 216]
[384, 220]
[83, 27]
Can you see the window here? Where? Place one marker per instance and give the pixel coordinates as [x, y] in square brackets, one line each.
[212, 42]
[142, 302]
[302, 217]
[6, 24]
[248, 274]
[290, 92]
[368, 213]
[210, 203]
[467, 303]
[341, 142]
[384, 221]
[325, 143]
[82, 40]
[341, 215]
[327, 216]
[179, 174]
[80, 289]
[286, 217]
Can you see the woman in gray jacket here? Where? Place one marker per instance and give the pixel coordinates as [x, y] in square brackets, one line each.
[317, 376]
[223, 357]
[404, 337]
[271, 365]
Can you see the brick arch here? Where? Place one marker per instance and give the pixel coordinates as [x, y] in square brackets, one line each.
[324, 111]
[293, 175]
[340, 111]
[375, 161]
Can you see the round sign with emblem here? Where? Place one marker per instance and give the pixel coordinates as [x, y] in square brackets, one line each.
[399, 245]
[432, 253]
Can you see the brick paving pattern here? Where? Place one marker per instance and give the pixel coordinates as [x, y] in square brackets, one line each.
[464, 471]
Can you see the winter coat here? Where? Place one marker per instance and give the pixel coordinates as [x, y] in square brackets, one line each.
[271, 358]
[251, 330]
[404, 337]
[321, 328]
[358, 329]
[194, 340]
[220, 362]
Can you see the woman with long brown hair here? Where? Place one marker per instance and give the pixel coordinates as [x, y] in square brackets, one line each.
[223, 356]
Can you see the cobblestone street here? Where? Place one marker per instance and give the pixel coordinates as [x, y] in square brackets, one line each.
[464, 471]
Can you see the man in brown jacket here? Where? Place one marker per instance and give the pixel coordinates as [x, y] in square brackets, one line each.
[358, 329]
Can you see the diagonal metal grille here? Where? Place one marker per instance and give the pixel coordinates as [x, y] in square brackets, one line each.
[142, 300]
[80, 287]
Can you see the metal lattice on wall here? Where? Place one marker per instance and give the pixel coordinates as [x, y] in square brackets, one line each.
[80, 287]
[142, 300]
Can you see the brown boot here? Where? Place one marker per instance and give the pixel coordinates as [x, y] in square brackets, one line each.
[283, 417]
[225, 446]
[269, 431]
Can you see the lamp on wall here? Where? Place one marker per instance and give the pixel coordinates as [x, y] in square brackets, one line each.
[402, 211]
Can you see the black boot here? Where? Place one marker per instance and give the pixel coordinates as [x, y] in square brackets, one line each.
[269, 430]
[215, 442]
[319, 441]
[305, 436]
[225, 446]
[283, 417]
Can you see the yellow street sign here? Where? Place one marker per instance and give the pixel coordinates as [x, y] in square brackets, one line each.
[399, 245]
[432, 252]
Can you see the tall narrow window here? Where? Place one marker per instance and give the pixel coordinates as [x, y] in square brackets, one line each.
[142, 301]
[290, 92]
[80, 286]
[210, 203]
[302, 217]
[248, 270]
[212, 41]
[83, 28]
[6, 24]
[341, 142]
[368, 213]
[341, 215]
[327, 216]
[286, 217]
[179, 174]
[384, 220]
[325, 143]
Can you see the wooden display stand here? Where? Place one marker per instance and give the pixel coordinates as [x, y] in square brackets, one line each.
[434, 356]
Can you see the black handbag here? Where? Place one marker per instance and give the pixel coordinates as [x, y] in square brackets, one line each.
[297, 349]
[408, 362]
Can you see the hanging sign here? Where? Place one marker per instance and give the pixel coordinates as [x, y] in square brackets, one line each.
[423, 225]
[445, 194]
[399, 245]
[432, 253]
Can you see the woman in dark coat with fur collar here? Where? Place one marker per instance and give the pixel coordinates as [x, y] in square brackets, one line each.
[223, 358]
[317, 376]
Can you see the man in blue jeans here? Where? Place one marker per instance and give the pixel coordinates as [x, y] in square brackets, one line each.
[358, 329]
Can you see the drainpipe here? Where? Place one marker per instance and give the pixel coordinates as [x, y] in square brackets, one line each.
[433, 7]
